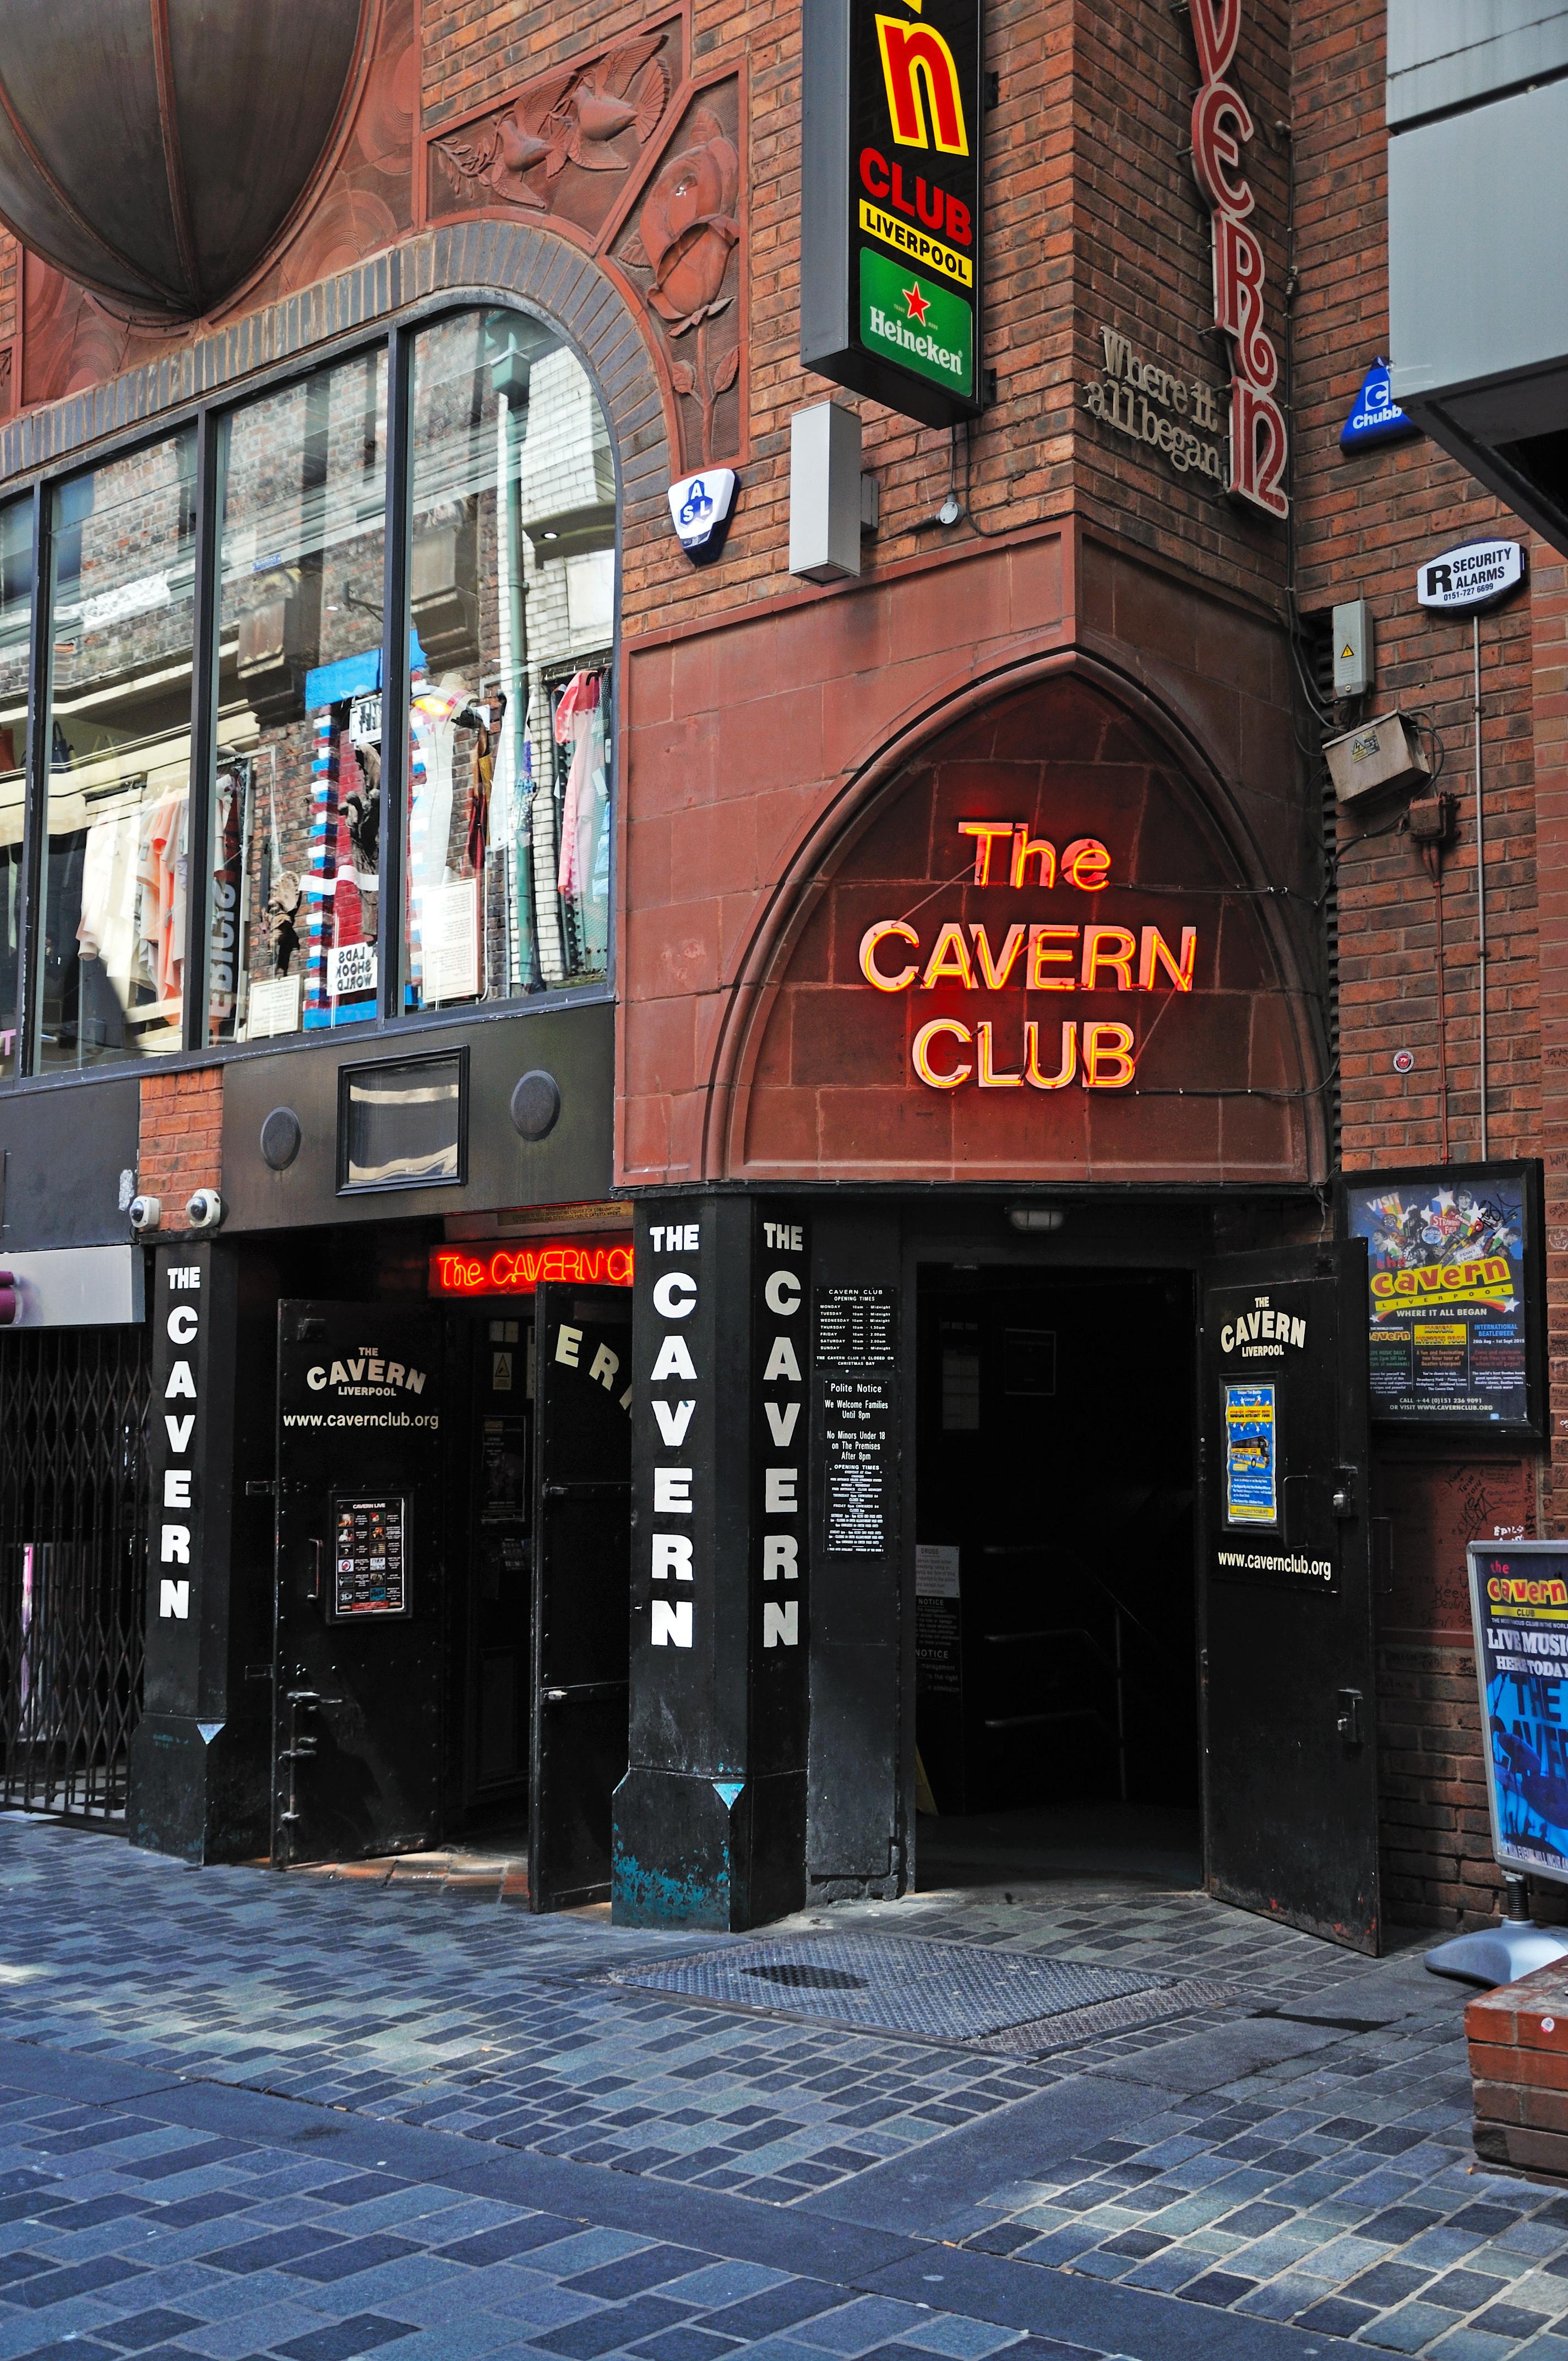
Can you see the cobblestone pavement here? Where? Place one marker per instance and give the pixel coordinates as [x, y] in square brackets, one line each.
[242, 2114]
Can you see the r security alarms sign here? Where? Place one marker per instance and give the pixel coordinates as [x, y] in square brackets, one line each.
[891, 205]
[1473, 575]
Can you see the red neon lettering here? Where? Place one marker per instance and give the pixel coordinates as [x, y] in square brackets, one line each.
[984, 831]
[1222, 125]
[1257, 448]
[520, 1271]
[1238, 301]
[1216, 148]
[1216, 30]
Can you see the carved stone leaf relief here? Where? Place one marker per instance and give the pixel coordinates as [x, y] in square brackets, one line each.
[563, 146]
[683, 254]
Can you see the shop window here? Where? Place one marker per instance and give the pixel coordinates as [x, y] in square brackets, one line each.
[111, 962]
[294, 893]
[498, 787]
[511, 584]
[15, 647]
[404, 1126]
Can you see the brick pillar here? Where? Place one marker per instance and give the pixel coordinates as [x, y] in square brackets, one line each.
[181, 1137]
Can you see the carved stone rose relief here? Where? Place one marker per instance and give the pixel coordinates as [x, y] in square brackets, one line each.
[683, 255]
[569, 148]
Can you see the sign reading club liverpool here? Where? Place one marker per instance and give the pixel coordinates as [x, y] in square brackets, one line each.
[890, 296]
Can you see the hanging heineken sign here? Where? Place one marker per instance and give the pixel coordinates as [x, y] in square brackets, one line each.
[891, 203]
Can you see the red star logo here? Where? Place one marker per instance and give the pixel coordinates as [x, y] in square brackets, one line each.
[918, 304]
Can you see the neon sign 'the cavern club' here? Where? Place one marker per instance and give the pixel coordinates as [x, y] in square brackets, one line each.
[1027, 955]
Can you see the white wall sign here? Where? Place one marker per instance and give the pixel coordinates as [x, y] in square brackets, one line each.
[77, 1286]
[1471, 575]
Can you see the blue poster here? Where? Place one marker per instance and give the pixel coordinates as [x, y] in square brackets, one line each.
[1518, 1600]
[1448, 1308]
[1252, 1456]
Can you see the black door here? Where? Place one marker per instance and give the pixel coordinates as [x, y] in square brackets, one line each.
[582, 1580]
[357, 1750]
[1291, 1775]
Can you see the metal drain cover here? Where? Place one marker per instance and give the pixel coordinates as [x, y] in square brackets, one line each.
[803, 1977]
[1016, 2001]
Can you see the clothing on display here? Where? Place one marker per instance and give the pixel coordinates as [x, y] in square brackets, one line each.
[579, 724]
[133, 892]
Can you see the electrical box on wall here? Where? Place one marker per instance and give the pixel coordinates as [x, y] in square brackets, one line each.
[1353, 643]
[1379, 756]
[825, 492]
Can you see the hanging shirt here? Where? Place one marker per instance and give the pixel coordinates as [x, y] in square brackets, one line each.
[577, 725]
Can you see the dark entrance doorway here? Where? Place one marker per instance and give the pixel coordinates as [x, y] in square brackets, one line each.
[582, 1585]
[361, 1581]
[453, 1575]
[1056, 1610]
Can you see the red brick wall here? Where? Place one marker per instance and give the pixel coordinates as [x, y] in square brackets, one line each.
[1438, 1869]
[182, 1131]
[1142, 263]
[1550, 604]
[1363, 526]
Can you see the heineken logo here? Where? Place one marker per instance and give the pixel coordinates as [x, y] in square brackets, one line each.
[891, 292]
[915, 321]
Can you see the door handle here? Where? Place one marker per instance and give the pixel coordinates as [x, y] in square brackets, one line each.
[1349, 1723]
[315, 1590]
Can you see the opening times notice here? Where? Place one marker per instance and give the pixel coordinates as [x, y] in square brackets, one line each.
[855, 1327]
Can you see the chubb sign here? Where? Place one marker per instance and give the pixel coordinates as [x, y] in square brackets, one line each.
[1074, 953]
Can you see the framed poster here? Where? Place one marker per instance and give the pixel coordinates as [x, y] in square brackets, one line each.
[1519, 1606]
[1455, 1295]
[369, 1556]
[1252, 1455]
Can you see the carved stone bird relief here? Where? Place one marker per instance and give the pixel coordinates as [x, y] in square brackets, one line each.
[595, 117]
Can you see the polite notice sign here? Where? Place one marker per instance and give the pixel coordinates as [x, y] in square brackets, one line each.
[857, 1435]
[1519, 1603]
[1452, 1296]
[1471, 576]
[891, 203]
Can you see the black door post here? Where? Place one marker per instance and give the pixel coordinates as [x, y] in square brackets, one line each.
[711, 1818]
[199, 1757]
